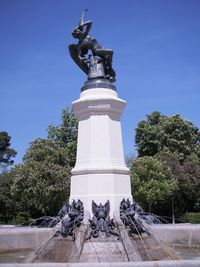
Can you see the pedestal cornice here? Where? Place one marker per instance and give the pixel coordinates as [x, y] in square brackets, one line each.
[98, 105]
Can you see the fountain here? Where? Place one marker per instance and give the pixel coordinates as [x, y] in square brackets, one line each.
[103, 225]
[102, 239]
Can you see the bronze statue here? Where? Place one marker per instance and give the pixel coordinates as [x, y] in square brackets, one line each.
[133, 217]
[70, 217]
[89, 55]
[101, 221]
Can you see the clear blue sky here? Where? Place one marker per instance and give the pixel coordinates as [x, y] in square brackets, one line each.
[156, 47]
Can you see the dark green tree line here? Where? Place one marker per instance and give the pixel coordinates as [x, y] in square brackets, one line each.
[174, 142]
[41, 183]
[7, 203]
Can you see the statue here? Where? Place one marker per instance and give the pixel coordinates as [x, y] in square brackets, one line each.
[89, 55]
[134, 217]
[101, 221]
[71, 217]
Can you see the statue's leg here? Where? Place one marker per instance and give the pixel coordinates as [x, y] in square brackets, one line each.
[105, 53]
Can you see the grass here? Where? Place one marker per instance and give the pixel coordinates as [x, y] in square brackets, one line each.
[191, 217]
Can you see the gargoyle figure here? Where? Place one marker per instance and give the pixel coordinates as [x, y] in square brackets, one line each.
[101, 221]
[133, 217]
[97, 64]
[64, 210]
[71, 217]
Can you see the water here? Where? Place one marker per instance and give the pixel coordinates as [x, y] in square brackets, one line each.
[14, 257]
[188, 253]
[185, 253]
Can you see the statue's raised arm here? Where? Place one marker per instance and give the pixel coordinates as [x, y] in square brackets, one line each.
[89, 55]
[87, 24]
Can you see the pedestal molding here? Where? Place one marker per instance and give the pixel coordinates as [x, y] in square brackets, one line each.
[99, 170]
[96, 106]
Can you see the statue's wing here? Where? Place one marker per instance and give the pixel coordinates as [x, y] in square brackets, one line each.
[94, 208]
[73, 50]
[107, 206]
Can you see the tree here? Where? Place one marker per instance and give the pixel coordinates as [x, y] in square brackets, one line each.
[66, 134]
[152, 184]
[187, 175]
[8, 205]
[42, 181]
[189, 186]
[6, 153]
[175, 142]
[173, 135]
[41, 184]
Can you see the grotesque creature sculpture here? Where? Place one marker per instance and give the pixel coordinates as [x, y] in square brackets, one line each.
[128, 215]
[89, 55]
[71, 217]
[134, 217]
[101, 221]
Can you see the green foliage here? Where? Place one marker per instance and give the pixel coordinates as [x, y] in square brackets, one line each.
[21, 218]
[42, 182]
[8, 206]
[191, 217]
[173, 135]
[66, 134]
[6, 153]
[175, 143]
[187, 175]
[7, 203]
[152, 183]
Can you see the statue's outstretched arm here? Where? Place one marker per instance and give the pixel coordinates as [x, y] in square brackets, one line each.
[88, 25]
[82, 24]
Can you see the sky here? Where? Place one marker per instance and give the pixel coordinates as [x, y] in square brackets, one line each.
[156, 47]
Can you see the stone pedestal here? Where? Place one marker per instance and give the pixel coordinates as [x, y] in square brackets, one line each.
[100, 173]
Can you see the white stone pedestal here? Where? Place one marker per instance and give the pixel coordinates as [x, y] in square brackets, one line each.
[100, 173]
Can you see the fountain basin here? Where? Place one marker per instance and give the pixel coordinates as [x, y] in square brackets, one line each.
[23, 238]
[14, 256]
[178, 234]
[181, 263]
